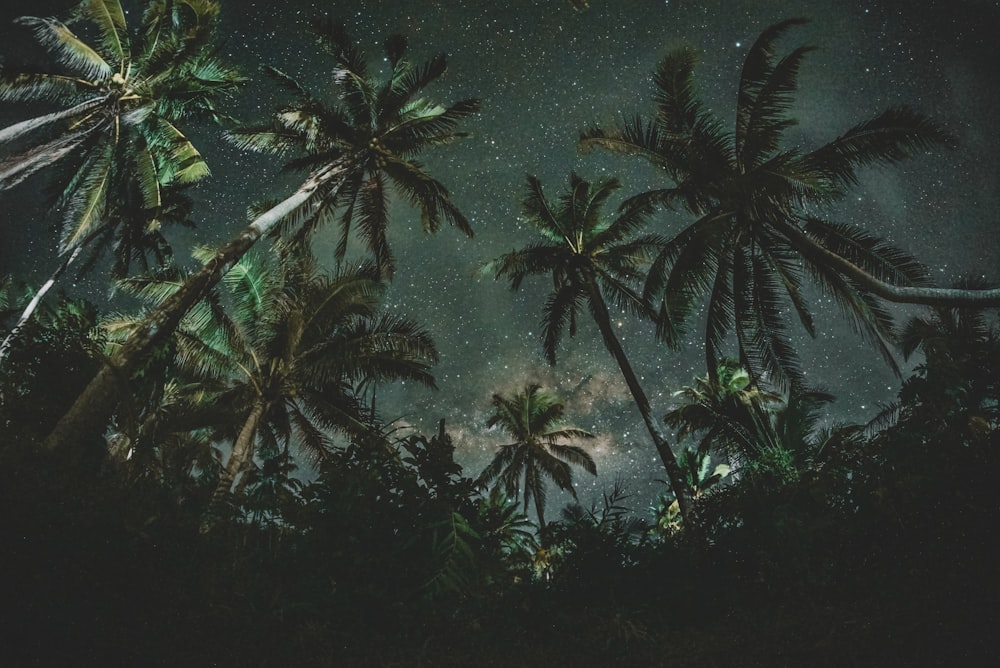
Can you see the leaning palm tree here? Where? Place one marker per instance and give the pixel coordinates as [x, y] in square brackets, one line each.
[116, 139]
[332, 172]
[591, 260]
[754, 241]
[538, 452]
[377, 128]
[291, 354]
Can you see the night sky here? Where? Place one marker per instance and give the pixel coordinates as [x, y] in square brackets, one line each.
[544, 72]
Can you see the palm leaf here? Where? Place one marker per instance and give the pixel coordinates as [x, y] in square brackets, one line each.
[109, 18]
[888, 138]
[560, 312]
[46, 87]
[758, 70]
[767, 119]
[88, 201]
[67, 48]
[574, 454]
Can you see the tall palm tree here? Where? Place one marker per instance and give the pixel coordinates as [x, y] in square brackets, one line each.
[115, 139]
[591, 260]
[754, 241]
[377, 127]
[333, 170]
[292, 353]
[538, 450]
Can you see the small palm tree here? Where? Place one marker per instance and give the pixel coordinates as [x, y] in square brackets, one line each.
[116, 136]
[376, 128]
[745, 422]
[539, 450]
[292, 354]
[754, 240]
[726, 411]
[592, 260]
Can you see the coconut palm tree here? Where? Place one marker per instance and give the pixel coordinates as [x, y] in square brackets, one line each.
[116, 140]
[422, 125]
[728, 413]
[292, 353]
[754, 241]
[591, 260]
[377, 127]
[747, 423]
[539, 450]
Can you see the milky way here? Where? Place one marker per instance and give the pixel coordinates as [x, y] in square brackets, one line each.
[544, 72]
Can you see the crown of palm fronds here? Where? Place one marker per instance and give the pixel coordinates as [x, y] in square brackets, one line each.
[746, 256]
[374, 128]
[115, 136]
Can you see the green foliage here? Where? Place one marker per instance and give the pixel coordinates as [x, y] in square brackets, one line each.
[115, 140]
[47, 365]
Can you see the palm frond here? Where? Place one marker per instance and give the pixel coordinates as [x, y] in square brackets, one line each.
[867, 316]
[767, 118]
[87, 203]
[678, 109]
[634, 136]
[559, 313]
[758, 70]
[288, 83]
[873, 254]
[890, 137]
[67, 48]
[574, 454]
[47, 87]
[109, 18]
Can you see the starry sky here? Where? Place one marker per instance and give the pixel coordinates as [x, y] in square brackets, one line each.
[545, 71]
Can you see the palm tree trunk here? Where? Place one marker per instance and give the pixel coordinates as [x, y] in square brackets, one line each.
[678, 482]
[242, 452]
[92, 409]
[927, 296]
[35, 301]
[540, 511]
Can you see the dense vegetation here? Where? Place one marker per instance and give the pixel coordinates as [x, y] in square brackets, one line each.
[204, 478]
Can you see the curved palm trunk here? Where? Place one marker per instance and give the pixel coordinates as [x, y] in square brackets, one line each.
[927, 296]
[678, 482]
[29, 310]
[242, 452]
[91, 411]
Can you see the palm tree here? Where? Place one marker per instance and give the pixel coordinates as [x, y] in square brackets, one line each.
[591, 260]
[421, 125]
[538, 451]
[747, 423]
[116, 135]
[955, 385]
[754, 242]
[292, 354]
[728, 413]
[377, 127]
